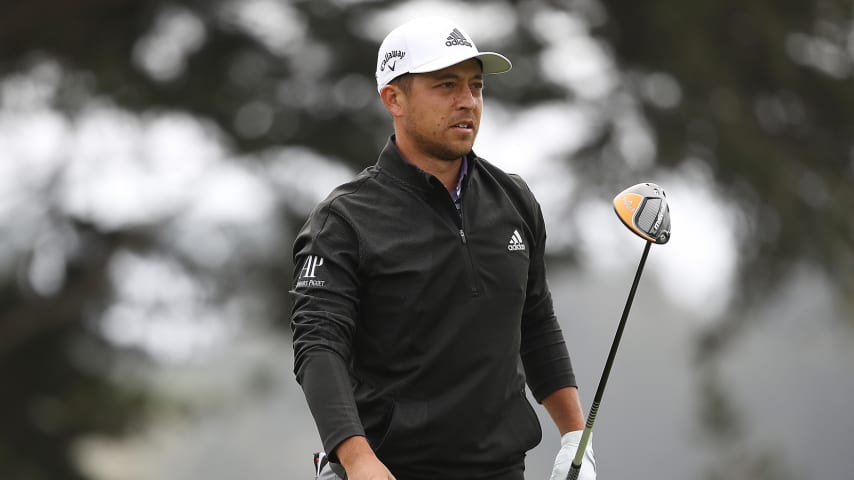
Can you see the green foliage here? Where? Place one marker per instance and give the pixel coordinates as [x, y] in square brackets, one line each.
[766, 95]
[49, 400]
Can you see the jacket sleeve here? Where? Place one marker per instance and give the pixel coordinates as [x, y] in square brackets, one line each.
[326, 258]
[543, 350]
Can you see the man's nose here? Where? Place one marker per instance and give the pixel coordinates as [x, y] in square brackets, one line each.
[466, 98]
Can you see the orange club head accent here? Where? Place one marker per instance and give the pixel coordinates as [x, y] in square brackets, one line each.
[643, 209]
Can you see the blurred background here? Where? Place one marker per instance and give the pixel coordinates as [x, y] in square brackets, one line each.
[157, 158]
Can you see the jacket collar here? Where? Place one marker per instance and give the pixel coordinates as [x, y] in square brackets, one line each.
[392, 162]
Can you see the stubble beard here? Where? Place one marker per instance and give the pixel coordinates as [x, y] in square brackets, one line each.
[445, 151]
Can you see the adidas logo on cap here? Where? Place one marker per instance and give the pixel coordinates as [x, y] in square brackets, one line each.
[457, 38]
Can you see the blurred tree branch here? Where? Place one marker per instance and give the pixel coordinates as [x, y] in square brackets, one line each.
[87, 279]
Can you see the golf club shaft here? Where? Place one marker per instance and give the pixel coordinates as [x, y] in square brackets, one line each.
[575, 468]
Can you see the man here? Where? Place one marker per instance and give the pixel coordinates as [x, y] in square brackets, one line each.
[421, 306]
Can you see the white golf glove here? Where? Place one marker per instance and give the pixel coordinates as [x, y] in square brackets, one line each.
[568, 447]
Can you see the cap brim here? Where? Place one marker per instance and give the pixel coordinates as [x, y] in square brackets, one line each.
[492, 63]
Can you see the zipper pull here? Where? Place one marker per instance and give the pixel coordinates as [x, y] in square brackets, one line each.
[463, 236]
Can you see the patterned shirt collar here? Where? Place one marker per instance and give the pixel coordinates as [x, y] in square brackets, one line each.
[464, 170]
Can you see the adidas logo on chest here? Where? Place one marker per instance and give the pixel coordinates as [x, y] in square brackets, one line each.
[516, 243]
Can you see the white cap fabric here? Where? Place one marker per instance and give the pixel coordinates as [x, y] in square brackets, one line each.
[427, 45]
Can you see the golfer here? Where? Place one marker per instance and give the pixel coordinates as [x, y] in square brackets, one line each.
[421, 306]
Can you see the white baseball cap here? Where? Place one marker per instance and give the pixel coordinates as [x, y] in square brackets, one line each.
[427, 45]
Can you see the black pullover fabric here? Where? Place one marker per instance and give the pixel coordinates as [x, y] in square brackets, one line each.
[418, 326]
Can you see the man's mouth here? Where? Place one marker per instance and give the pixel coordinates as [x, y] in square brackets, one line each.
[466, 125]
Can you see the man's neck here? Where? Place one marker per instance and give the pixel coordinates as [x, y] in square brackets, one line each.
[447, 171]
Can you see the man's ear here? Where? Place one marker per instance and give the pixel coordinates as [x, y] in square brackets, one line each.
[394, 99]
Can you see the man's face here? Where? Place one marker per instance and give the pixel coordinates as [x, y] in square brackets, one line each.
[442, 110]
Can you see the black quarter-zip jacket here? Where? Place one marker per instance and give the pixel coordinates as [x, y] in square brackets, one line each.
[418, 327]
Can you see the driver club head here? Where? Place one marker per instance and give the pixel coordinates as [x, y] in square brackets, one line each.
[643, 208]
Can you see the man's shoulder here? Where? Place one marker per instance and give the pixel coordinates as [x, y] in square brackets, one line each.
[361, 189]
[507, 179]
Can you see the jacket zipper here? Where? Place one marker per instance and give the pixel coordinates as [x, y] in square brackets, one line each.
[472, 271]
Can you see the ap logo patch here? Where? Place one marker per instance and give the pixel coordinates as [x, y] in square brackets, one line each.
[308, 272]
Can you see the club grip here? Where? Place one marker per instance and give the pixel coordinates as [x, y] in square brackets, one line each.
[573, 472]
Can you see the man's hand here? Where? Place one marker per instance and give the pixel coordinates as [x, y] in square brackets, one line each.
[563, 460]
[360, 462]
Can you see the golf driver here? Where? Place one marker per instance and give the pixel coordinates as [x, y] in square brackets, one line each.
[643, 208]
